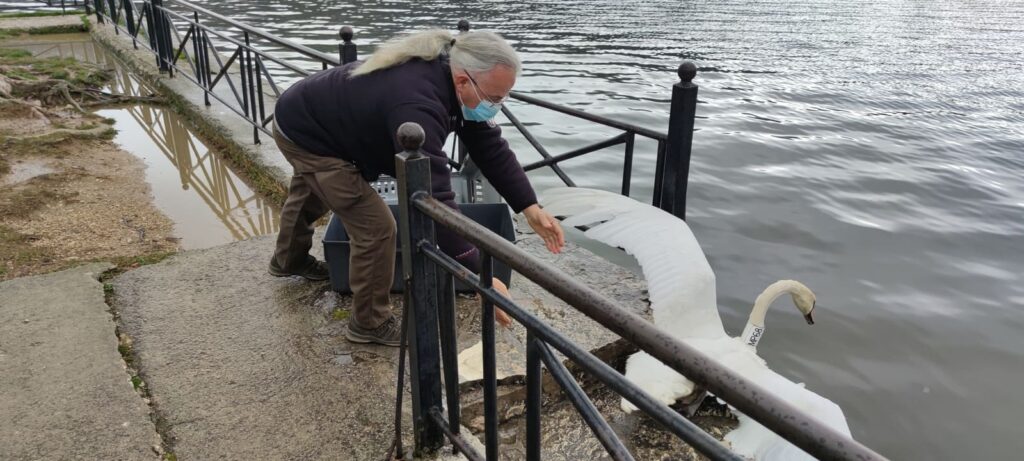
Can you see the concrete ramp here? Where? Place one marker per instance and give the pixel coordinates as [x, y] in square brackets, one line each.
[242, 365]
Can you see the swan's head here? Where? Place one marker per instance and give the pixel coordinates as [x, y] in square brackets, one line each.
[803, 298]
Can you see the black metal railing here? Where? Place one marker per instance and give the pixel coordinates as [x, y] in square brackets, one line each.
[168, 33]
[429, 276]
[192, 45]
[673, 154]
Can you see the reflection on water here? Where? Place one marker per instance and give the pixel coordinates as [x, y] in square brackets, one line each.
[207, 201]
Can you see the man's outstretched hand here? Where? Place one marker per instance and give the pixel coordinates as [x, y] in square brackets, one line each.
[546, 226]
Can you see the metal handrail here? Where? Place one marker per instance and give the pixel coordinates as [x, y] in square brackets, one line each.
[646, 132]
[291, 45]
[420, 212]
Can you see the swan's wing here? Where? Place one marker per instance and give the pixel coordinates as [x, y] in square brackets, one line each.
[750, 438]
[655, 378]
[679, 279]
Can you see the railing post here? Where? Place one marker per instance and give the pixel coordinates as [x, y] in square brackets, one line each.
[165, 49]
[147, 11]
[197, 55]
[246, 66]
[99, 11]
[533, 398]
[113, 14]
[413, 171]
[129, 20]
[448, 324]
[346, 49]
[85, 4]
[680, 142]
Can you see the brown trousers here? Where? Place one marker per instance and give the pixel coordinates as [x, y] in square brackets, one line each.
[327, 183]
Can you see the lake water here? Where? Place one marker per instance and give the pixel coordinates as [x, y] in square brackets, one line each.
[871, 149]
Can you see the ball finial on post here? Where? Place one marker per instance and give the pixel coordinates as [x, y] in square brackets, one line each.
[411, 136]
[346, 33]
[463, 25]
[687, 71]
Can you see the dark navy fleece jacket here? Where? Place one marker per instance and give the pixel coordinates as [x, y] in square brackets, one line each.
[356, 119]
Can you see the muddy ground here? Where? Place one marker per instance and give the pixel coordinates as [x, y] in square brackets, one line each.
[67, 193]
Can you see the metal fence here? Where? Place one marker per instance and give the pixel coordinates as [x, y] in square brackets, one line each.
[182, 39]
[430, 311]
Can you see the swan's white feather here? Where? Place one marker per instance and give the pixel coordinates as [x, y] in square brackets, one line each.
[671, 259]
[682, 290]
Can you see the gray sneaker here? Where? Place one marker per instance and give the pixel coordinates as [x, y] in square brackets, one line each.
[388, 333]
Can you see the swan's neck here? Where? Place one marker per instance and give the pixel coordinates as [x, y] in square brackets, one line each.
[754, 330]
[766, 298]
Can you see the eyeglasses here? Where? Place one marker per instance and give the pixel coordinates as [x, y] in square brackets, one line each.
[478, 91]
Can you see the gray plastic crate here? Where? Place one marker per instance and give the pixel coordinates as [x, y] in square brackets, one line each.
[471, 188]
[476, 198]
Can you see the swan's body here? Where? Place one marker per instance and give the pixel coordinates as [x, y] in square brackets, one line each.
[684, 304]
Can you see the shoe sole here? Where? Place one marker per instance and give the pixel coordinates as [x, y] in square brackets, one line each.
[313, 278]
[361, 339]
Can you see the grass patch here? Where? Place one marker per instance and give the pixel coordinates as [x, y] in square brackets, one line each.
[340, 314]
[22, 203]
[16, 250]
[14, 53]
[63, 29]
[21, 74]
[124, 263]
[9, 33]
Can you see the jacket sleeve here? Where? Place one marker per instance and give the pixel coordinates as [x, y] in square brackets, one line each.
[498, 163]
[434, 127]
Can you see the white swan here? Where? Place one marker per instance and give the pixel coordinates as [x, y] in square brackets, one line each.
[681, 285]
[668, 386]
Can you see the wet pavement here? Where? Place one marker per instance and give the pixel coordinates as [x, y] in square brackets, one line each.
[244, 365]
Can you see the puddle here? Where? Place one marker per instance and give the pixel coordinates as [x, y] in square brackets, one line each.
[24, 170]
[208, 202]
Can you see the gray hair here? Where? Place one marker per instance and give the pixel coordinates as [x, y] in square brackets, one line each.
[476, 51]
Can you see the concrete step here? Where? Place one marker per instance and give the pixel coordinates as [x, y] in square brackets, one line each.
[64, 392]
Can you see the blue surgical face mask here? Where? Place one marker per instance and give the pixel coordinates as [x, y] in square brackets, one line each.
[483, 112]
